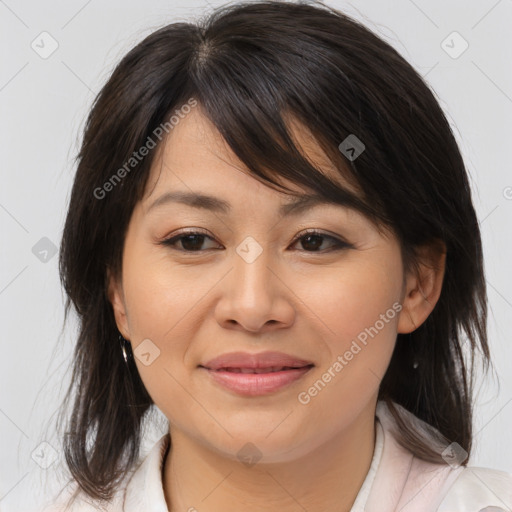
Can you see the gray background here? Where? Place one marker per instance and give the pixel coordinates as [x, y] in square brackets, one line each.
[43, 104]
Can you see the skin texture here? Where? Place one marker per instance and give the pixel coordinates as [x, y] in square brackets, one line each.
[307, 302]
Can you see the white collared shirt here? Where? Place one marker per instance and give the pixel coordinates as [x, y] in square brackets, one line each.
[397, 481]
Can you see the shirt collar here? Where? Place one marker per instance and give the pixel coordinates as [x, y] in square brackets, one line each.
[402, 481]
[144, 490]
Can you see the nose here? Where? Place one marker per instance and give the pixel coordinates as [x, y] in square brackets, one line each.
[254, 297]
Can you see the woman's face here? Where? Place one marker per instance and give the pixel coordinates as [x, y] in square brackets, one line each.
[254, 281]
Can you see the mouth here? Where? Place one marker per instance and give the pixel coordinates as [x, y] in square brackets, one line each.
[253, 382]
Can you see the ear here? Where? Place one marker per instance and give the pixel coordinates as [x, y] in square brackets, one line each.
[423, 286]
[116, 297]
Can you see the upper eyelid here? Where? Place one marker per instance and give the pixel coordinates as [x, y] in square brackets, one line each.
[302, 232]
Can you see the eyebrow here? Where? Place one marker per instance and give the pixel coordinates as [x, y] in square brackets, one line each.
[214, 204]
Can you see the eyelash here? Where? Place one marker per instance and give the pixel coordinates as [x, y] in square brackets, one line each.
[338, 244]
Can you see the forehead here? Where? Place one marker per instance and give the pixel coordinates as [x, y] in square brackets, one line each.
[195, 154]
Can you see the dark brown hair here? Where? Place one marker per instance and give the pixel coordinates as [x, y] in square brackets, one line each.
[251, 67]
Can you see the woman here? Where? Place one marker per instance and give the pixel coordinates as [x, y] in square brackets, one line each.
[271, 239]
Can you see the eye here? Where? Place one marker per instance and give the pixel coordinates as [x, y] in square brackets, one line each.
[191, 241]
[312, 241]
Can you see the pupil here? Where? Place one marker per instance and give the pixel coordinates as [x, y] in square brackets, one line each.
[197, 241]
[314, 237]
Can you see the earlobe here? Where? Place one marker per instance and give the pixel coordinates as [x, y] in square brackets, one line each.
[116, 297]
[423, 287]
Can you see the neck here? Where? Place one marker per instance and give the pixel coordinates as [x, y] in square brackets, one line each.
[327, 479]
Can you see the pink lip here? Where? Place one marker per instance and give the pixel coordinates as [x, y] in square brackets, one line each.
[255, 384]
[258, 360]
[227, 371]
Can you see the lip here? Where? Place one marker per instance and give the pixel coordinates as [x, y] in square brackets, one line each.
[245, 360]
[232, 371]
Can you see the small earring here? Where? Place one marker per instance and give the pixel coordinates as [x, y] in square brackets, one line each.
[126, 349]
[415, 363]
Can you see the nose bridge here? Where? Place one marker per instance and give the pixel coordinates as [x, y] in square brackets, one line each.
[251, 270]
[254, 296]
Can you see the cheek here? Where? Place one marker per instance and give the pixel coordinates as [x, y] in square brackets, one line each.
[359, 310]
[360, 340]
[352, 298]
[158, 294]
[157, 301]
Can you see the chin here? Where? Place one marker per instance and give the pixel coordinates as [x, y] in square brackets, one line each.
[263, 445]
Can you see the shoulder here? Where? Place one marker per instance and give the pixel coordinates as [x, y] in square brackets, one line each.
[81, 502]
[141, 488]
[477, 488]
[421, 486]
